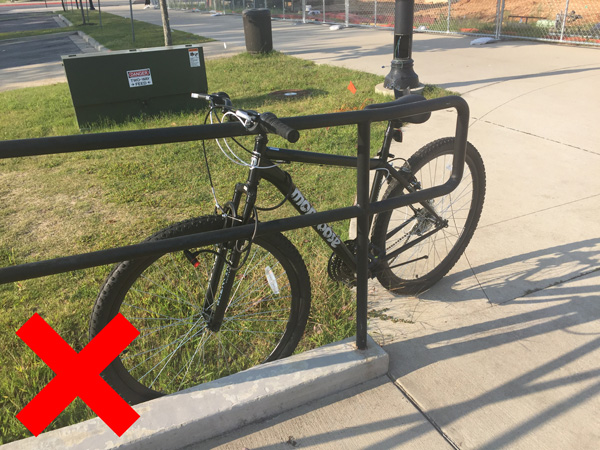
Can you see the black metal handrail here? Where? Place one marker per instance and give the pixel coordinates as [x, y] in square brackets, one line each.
[363, 119]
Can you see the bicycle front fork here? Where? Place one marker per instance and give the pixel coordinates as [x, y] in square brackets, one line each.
[229, 255]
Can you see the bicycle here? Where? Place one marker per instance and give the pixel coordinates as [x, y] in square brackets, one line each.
[205, 313]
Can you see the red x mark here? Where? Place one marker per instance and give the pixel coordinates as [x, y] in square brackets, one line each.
[77, 374]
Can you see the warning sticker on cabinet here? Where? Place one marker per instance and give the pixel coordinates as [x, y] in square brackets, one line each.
[140, 77]
[194, 57]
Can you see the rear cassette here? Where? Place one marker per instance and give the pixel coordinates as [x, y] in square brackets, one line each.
[338, 270]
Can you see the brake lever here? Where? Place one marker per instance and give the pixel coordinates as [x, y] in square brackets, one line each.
[216, 100]
[250, 118]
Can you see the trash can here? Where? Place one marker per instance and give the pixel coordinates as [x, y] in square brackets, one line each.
[257, 30]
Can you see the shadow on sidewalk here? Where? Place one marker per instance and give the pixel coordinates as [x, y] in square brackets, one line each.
[319, 429]
[567, 310]
[476, 84]
[506, 279]
[547, 339]
[563, 375]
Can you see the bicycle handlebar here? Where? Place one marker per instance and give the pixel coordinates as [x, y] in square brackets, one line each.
[251, 119]
[272, 123]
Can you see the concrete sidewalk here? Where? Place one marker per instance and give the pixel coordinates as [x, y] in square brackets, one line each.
[505, 351]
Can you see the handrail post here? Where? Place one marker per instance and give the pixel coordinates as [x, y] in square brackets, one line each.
[362, 235]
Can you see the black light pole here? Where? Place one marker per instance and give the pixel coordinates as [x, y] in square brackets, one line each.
[402, 78]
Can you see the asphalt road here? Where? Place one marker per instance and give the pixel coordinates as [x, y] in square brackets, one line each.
[26, 21]
[34, 60]
[36, 50]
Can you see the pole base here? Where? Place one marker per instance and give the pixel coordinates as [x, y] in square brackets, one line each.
[390, 92]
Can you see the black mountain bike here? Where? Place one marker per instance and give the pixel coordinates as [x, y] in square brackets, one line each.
[204, 313]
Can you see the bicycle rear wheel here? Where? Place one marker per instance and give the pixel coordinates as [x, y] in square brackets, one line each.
[421, 266]
[163, 298]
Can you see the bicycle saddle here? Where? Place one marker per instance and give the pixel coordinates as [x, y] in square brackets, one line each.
[412, 98]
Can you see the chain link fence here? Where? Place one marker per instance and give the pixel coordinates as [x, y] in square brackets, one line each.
[569, 21]
[547, 20]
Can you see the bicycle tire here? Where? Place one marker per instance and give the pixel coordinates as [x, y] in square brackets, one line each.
[162, 297]
[431, 166]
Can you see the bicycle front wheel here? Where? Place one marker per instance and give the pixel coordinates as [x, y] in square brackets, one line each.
[421, 266]
[163, 298]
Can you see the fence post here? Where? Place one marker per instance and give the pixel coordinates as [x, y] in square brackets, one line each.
[499, 17]
[131, 15]
[564, 21]
[347, 11]
[303, 11]
[449, 16]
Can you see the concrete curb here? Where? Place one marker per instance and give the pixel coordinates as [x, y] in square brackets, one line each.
[93, 42]
[226, 404]
[66, 21]
[90, 40]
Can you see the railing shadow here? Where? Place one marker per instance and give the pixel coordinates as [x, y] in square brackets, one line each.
[505, 279]
[529, 321]
[566, 310]
[355, 424]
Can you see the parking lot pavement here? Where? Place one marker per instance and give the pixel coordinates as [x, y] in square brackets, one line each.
[36, 61]
[23, 21]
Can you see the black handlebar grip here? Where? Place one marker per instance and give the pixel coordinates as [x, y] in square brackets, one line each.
[275, 125]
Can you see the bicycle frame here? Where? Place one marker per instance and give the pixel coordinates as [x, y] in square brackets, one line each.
[282, 181]
[263, 167]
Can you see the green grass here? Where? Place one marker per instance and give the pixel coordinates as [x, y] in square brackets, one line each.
[115, 33]
[64, 204]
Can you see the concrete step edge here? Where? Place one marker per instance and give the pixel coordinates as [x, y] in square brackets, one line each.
[215, 408]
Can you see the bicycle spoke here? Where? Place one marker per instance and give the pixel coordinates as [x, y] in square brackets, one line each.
[189, 363]
[163, 297]
[170, 357]
[129, 305]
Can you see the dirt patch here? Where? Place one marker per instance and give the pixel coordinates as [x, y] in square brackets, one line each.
[486, 9]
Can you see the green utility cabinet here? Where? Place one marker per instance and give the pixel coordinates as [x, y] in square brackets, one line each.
[122, 84]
